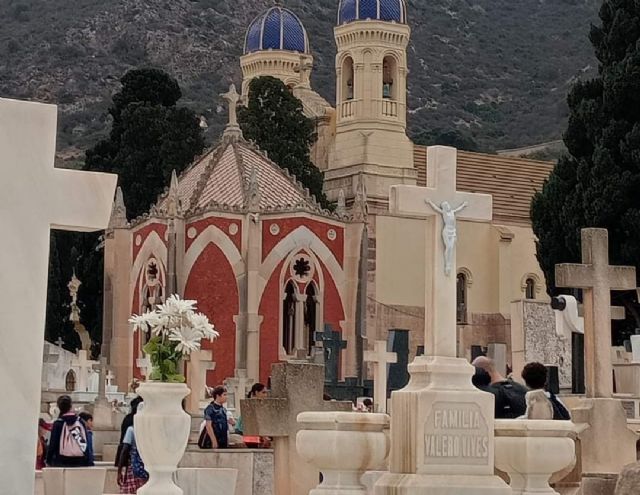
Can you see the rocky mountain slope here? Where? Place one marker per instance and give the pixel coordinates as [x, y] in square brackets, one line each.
[498, 69]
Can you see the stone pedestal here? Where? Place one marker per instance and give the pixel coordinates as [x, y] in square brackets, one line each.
[442, 431]
[103, 414]
[607, 444]
[74, 481]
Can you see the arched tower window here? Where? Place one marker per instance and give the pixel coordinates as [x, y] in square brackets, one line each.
[461, 299]
[530, 289]
[289, 318]
[310, 316]
[348, 79]
[389, 78]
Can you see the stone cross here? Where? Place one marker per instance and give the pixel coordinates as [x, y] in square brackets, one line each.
[145, 366]
[333, 344]
[296, 387]
[597, 279]
[102, 367]
[238, 385]
[109, 377]
[380, 359]
[84, 365]
[199, 363]
[232, 98]
[59, 342]
[440, 293]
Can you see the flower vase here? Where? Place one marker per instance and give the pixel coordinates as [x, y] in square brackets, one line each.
[162, 432]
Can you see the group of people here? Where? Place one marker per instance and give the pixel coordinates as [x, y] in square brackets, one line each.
[513, 400]
[219, 430]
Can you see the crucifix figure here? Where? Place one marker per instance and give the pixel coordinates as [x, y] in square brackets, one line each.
[380, 358]
[440, 293]
[597, 279]
[449, 231]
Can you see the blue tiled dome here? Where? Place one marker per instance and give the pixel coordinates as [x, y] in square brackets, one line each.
[378, 10]
[277, 29]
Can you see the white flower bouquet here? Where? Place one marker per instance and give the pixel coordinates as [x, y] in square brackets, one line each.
[176, 330]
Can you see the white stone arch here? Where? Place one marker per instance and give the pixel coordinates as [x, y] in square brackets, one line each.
[213, 235]
[153, 247]
[467, 275]
[302, 238]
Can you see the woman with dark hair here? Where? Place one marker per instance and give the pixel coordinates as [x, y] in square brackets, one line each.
[69, 439]
[131, 472]
[258, 391]
[215, 434]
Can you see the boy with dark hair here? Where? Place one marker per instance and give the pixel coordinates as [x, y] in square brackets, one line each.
[87, 418]
[68, 443]
[215, 434]
[540, 403]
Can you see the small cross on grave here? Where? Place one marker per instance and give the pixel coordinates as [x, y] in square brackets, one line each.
[238, 386]
[333, 345]
[145, 366]
[84, 365]
[101, 368]
[102, 412]
[441, 201]
[59, 342]
[35, 197]
[296, 387]
[199, 363]
[380, 358]
[597, 279]
[109, 377]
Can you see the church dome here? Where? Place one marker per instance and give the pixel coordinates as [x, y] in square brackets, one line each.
[376, 10]
[277, 29]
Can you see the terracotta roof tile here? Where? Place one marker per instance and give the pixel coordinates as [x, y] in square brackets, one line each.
[511, 181]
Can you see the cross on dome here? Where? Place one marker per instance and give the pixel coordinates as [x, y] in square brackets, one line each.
[232, 97]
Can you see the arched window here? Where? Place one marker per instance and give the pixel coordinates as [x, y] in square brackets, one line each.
[310, 316]
[70, 381]
[389, 78]
[348, 79]
[289, 318]
[461, 299]
[530, 289]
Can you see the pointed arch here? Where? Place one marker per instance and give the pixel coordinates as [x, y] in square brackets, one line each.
[154, 247]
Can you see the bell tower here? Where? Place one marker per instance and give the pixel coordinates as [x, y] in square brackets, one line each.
[371, 101]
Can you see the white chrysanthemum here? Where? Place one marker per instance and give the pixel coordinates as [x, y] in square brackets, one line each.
[201, 322]
[188, 339]
[142, 322]
[174, 306]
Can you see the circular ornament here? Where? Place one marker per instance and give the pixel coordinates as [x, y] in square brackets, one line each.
[192, 232]
[274, 229]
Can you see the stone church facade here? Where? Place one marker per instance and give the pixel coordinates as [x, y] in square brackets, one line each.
[270, 268]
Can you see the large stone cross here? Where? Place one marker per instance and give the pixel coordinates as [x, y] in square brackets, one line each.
[84, 365]
[440, 200]
[35, 198]
[199, 363]
[102, 368]
[380, 358]
[333, 345]
[597, 279]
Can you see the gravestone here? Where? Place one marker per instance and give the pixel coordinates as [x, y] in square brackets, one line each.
[102, 412]
[333, 345]
[607, 445]
[295, 387]
[442, 428]
[83, 366]
[399, 371]
[36, 197]
[199, 363]
[238, 386]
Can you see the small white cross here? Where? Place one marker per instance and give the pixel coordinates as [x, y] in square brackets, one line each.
[145, 366]
[84, 365]
[380, 358]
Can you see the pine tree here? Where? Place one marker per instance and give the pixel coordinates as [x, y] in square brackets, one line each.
[274, 119]
[597, 183]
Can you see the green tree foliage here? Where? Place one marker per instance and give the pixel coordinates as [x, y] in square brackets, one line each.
[150, 136]
[596, 184]
[274, 119]
[446, 137]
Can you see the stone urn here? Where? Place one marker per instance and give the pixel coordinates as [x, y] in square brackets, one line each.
[530, 451]
[162, 432]
[342, 445]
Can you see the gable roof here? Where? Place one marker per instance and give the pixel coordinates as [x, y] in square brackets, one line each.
[511, 181]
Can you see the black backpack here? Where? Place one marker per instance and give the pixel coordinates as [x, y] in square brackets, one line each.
[510, 401]
[559, 411]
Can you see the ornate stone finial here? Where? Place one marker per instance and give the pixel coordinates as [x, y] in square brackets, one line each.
[118, 212]
[253, 195]
[360, 207]
[173, 207]
[341, 208]
[232, 131]
[304, 69]
[74, 286]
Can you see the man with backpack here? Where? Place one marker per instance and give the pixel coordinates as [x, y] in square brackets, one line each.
[69, 442]
[509, 395]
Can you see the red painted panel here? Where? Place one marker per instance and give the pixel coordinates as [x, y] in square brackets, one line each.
[144, 232]
[222, 223]
[270, 307]
[213, 284]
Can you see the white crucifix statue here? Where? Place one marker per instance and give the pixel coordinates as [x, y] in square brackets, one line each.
[597, 279]
[444, 205]
[380, 358]
[35, 198]
[84, 365]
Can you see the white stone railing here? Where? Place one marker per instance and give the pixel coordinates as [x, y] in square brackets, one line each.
[348, 108]
[389, 108]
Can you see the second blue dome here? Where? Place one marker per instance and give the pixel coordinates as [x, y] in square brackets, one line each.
[376, 10]
[277, 29]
